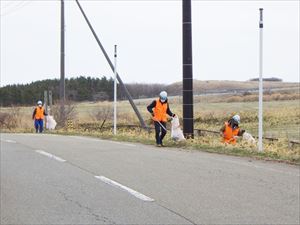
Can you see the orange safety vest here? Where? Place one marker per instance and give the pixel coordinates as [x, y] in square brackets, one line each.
[39, 113]
[160, 111]
[229, 134]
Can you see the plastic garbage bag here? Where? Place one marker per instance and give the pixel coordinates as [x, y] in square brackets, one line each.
[248, 138]
[51, 123]
[176, 132]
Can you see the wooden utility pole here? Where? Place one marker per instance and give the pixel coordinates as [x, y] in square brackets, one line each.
[187, 77]
[62, 54]
[62, 65]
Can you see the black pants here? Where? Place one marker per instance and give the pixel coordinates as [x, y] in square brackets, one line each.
[160, 132]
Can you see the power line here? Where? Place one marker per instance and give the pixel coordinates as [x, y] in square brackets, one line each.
[10, 9]
[7, 5]
[13, 8]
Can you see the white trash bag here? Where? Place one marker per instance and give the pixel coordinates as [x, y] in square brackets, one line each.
[248, 138]
[51, 123]
[176, 132]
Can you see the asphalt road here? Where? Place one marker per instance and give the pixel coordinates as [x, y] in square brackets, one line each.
[51, 179]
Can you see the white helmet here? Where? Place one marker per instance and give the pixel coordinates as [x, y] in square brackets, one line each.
[163, 96]
[39, 102]
[237, 119]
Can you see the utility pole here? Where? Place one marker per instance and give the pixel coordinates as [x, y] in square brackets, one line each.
[50, 103]
[46, 101]
[115, 92]
[62, 64]
[187, 78]
[260, 104]
[142, 122]
[62, 54]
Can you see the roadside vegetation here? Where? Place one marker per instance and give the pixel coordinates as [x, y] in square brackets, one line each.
[281, 121]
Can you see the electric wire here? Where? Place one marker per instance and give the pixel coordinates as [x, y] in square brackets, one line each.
[6, 5]
[12, 8]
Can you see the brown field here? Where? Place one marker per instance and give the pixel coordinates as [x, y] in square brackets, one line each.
[281, 120]
[212, 86]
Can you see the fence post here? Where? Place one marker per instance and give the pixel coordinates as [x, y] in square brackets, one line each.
[46, 105]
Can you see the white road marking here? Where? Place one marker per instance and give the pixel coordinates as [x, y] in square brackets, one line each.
[100, 140]
[9, 141]
[50, 156]
[86, 138]
[129, 190]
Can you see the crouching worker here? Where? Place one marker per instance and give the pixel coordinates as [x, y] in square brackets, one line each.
[159, 109]
[230, 131]
[38, 117]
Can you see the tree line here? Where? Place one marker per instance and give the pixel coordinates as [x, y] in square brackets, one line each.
[77, 89]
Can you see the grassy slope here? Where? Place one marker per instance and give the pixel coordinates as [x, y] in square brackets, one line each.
[214, 86]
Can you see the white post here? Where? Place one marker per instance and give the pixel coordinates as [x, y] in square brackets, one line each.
[260, 107]
[115, 92]
[45, 106]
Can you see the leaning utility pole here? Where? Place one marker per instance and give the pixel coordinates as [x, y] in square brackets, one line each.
[187, 79]
[62, 54]
[142, 122]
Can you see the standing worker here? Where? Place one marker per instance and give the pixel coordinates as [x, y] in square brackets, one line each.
[159, 109]
[230, 130]
[38, 116]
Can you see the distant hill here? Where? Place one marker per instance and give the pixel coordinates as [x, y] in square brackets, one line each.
[95, 89]
[275, 79]
[213, 86]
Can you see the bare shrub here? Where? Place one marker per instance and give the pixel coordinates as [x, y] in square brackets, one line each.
[4, 119]
[10, 120]
[102, 114]
[64, 113]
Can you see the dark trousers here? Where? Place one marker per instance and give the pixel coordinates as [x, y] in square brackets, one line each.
[160, 132]
[39, 125]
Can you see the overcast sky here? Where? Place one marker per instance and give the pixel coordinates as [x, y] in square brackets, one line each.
[149, 39]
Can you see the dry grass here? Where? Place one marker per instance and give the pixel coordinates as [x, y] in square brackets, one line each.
[281, 119]
[277, 151]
